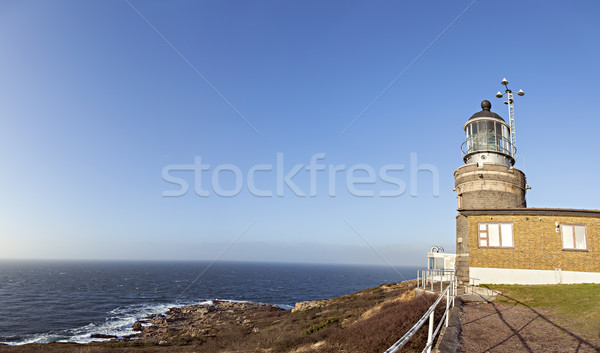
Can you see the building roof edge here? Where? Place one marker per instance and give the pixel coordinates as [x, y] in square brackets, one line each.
[530, 211]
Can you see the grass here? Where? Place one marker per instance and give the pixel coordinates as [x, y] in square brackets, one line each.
[577, 304]
[323, 324]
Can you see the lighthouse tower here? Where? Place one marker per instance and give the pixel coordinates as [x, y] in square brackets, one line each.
[488, 179]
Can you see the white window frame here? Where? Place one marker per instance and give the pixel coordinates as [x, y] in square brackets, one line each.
[483, 235]
[572, 226]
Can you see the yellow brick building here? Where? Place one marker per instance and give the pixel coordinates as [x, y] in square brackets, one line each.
[539, 248]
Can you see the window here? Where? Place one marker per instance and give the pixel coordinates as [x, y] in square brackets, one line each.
[573, 237]
[495, 235]
[499, 129]
[436, 263]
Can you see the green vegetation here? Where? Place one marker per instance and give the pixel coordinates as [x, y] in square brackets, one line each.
[317, 327]
[577, 304]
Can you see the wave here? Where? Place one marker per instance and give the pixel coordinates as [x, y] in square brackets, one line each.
[117, 323]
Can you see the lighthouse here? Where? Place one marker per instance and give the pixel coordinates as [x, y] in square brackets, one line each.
[488, 180]
[499, 240]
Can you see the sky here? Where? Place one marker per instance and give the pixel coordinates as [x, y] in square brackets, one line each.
[278, 131]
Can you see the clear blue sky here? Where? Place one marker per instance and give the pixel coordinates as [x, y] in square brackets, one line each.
[95, 102]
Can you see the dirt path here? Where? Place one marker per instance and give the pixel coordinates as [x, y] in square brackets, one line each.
[492, 327]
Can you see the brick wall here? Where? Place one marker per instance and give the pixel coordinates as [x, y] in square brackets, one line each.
[537, 245]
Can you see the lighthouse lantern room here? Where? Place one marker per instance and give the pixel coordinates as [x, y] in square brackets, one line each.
[488, 138]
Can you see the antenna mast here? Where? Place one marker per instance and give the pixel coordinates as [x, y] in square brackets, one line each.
[511, 112]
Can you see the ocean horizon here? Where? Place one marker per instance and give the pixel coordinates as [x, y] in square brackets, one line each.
[69, 300]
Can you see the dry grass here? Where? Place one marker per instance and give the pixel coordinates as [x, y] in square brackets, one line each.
[406, 296]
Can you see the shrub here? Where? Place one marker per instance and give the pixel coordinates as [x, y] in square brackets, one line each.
[321, 325]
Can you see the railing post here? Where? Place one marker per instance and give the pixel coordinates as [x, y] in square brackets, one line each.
[447, 305]
[455, 289]
[430, 334]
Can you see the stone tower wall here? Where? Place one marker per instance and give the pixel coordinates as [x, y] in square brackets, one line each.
[462, 262]
[486, 186]
[489, 186]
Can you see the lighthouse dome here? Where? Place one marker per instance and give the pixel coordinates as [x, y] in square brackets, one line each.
[485, 112]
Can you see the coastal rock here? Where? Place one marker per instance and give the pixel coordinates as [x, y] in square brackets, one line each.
[155, 316]
[202, 321]
[310, 304]
[137, 326]
[101, 335]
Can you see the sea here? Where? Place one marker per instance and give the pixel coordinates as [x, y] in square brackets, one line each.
[69, 301]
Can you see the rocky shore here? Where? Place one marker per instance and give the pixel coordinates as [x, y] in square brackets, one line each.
[366, 321]
[204, 321]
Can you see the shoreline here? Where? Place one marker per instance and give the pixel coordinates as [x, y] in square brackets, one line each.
[127, 334]
[220, 325]
[65, 305]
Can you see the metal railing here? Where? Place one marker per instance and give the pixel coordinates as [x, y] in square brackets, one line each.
[450, 293]
[474, 289]
[490, 143]
[427, 278]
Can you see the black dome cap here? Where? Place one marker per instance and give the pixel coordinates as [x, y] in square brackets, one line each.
[486, 113]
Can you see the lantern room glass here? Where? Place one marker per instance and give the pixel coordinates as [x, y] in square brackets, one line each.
[488, 135]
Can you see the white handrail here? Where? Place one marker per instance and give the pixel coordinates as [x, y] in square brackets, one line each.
[450, 291]
[431, 276]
